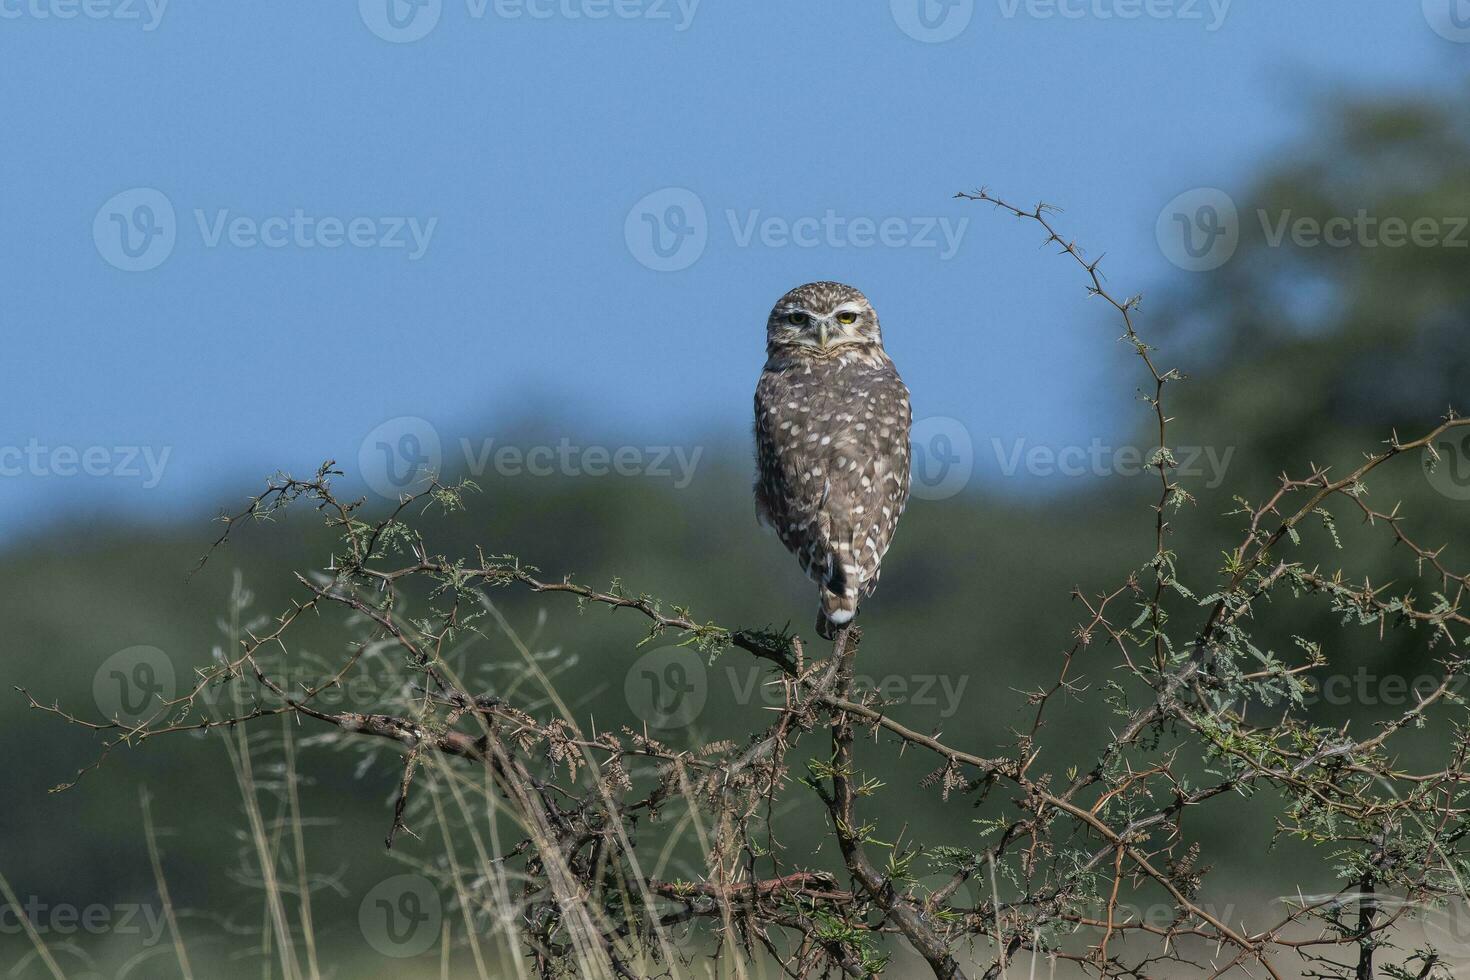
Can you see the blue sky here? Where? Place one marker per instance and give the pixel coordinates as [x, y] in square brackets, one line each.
[367, 226]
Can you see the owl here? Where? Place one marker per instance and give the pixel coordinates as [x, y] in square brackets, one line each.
[832, 443]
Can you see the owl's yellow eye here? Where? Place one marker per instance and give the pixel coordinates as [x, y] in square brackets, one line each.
[797, 319]
[847, 316]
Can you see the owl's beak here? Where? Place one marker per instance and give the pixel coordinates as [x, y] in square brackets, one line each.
[823, 330]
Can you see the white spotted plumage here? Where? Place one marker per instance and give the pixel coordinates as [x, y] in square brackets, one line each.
[832, 422]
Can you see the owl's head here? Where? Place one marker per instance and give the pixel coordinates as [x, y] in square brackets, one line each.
[821, 318]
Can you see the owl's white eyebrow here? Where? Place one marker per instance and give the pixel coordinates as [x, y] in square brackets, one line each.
[844, 308]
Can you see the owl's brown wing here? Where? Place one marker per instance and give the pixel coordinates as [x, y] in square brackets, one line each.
[788, 497]
[867, 462]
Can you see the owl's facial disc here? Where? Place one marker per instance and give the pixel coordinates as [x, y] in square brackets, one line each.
[825, 331]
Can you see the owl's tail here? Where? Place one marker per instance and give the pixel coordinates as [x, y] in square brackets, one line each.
[838, 604]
